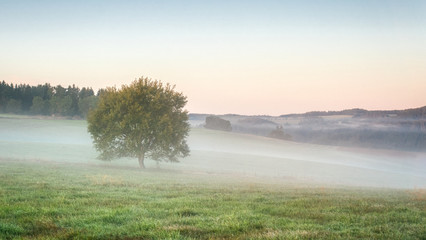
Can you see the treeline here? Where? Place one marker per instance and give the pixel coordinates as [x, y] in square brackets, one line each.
[361, 113]
[366, 138]
[47, 100]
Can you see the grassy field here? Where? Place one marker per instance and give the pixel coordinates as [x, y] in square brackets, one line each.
[231, 187]
[224, 153]
[44, 200]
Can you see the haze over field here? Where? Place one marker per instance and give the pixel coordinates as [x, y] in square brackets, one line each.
[225, 154]
[163, 119]
[243, 57]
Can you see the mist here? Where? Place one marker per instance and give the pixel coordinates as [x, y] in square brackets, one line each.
[263, 157]
[402, 130]
[238, 156]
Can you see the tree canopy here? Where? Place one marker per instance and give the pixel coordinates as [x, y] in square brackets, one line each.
[217, 123]
[46, 100]
[144, 119]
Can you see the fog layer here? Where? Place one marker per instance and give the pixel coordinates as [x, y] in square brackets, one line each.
[231, 154]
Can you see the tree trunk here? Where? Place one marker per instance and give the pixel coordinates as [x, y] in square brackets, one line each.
[141, 159]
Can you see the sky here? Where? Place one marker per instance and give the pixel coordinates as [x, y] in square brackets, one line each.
[242, 57]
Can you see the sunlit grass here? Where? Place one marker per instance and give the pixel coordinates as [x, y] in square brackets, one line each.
[43, 200]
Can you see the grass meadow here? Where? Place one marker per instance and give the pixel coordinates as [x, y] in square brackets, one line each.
[52, 187]
[42, 200]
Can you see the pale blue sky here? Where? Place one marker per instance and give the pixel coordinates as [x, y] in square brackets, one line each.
[247, 57]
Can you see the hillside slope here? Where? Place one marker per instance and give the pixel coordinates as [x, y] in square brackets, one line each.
[221, 152]
[224, 153]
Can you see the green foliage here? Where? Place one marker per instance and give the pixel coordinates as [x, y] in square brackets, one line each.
[40, 106]
[61, 105]
[144, 119]
[46, 100]
[14, 106]
[217, 123]
[86, 104]
[69, 201]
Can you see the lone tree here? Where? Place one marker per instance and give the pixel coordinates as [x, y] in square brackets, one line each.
[144, 119]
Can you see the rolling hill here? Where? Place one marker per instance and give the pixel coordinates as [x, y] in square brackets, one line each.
[228, 154]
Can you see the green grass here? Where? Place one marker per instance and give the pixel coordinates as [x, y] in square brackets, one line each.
[232, 186]
[42, 200]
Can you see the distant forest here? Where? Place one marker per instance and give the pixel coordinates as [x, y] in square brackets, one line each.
[392, 129]
[389, 129]
[45, 99]
[413, 113]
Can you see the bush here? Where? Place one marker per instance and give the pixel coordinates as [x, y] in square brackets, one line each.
[217, 123]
